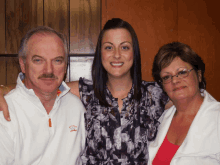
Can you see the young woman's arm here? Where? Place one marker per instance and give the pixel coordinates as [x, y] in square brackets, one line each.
[3, 105]
[74, 89]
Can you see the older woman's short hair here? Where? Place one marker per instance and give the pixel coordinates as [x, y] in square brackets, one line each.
[169, 52]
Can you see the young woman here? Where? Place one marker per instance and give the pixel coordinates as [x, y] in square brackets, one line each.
[122, 110]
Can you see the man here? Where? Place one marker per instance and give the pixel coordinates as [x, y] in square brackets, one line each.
[46, 128]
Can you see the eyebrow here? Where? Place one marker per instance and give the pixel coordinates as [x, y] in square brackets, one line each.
[34, 56]
[120, 43]
[176, 70]
[37, 56]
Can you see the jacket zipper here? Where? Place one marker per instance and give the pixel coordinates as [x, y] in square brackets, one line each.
[50, 123]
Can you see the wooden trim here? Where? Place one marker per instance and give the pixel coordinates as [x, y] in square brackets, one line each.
[8, 55]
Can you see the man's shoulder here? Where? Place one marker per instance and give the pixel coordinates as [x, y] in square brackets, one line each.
[10, 97]
[12, 94]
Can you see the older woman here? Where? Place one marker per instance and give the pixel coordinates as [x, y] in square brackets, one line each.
[189, 133]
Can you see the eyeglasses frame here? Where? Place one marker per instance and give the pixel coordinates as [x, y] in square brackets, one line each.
[176, 75]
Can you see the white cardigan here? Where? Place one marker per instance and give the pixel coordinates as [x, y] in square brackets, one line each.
[202, 143]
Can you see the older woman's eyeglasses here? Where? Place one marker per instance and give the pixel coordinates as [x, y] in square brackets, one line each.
[182, 73]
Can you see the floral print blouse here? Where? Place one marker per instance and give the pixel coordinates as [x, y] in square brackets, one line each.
[115, 138]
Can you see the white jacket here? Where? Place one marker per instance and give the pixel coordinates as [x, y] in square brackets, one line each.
[202, 143]
[28, 139]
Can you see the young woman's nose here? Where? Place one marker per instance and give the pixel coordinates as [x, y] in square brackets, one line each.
[117, 53]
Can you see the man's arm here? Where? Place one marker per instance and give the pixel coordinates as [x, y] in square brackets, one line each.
[3, 105]
[6, 143]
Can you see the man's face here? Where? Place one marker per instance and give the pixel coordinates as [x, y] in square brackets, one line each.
[45, 65]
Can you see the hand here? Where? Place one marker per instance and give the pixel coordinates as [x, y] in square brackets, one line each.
[4, 108]
[3, 104]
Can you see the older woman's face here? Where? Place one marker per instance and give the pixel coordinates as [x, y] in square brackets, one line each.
[185, 88]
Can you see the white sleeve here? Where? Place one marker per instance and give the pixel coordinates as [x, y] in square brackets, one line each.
[6, 143]
[218, 129]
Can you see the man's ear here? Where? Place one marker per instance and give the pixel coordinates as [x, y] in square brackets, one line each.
[22, 64]
[199, 75]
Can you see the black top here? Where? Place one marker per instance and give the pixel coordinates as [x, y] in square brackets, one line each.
[121, 138]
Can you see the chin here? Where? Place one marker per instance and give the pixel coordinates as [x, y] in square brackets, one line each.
[177, 96]
[182, 97]
[49, 88]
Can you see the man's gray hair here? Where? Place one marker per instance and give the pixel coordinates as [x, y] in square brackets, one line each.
[40, 30]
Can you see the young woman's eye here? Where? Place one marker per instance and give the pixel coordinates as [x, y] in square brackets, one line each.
[125, 48]
[108, 47]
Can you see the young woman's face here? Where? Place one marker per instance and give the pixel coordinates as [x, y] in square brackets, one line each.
[117, 52]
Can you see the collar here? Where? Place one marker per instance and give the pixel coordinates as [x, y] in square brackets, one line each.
[128, 98]
[58, 91]
[63, 88]
[202, 137]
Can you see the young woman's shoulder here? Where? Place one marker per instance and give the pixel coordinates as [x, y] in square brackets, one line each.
[154, 90]
[77, 86]
[84, 81]
[149, 84]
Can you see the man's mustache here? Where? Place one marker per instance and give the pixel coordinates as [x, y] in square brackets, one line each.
[51, 75]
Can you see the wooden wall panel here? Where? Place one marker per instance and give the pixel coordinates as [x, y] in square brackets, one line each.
[2, 26]
[19, 19]
[155, 23]
[12, 70]
[200, 28]
[194, 22]
[2, 71]
[37, 11]
[22, 15]
[85, 23]
[56, 15]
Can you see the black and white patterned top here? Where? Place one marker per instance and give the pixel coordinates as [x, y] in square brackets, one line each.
[115, 138]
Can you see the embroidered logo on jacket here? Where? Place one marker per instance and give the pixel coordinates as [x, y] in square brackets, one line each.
[73, 128]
